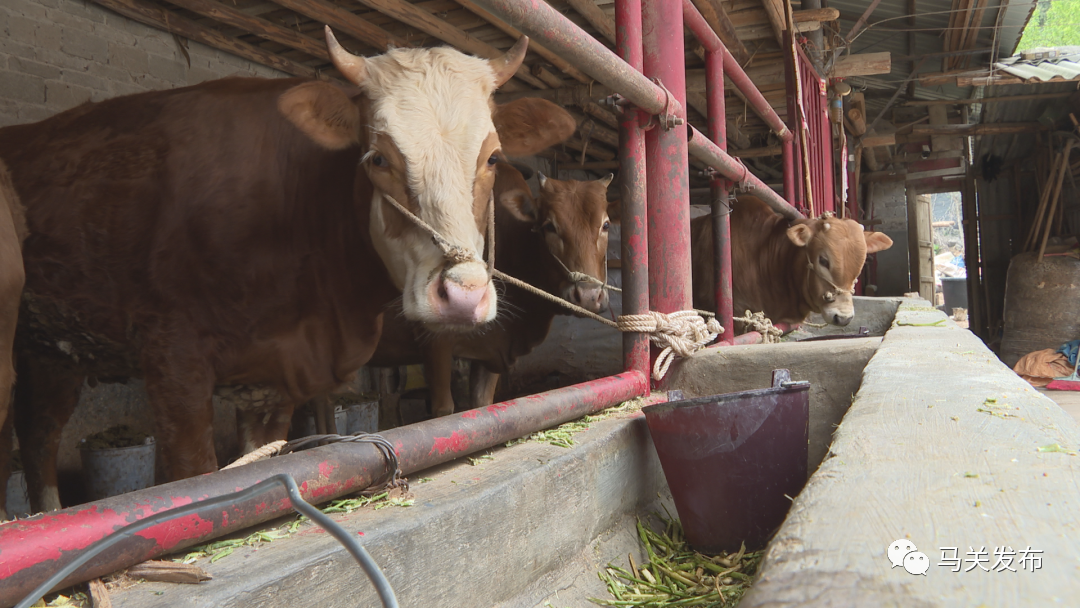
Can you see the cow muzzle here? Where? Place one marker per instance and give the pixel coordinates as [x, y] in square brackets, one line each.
[841, 313]
[590, 296]
[462, 295]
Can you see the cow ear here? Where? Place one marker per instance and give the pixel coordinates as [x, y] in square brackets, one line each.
[877, 241]
[800, 234]
[323, 112]
[530, 125]
[607, 180]
[519, 203]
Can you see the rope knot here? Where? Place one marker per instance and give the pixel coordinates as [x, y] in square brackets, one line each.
[680, 333]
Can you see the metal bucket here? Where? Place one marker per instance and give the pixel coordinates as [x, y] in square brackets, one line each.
[18, 501]
[113, 471]
[363, 417]
[733, 462]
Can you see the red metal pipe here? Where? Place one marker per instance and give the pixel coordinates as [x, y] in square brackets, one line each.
[32, 549]
[707, 37]
[554, 31]
[789, 170]
[729, 166]
[667, 163]
[632, 187]
[721, 209]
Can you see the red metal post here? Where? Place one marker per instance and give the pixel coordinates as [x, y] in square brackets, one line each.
[667, 161]
[793, 168]
[789, 169]
[632, 187]
[721, 207]
[32, 549]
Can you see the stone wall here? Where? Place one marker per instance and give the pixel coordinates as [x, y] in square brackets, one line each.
[57, 54]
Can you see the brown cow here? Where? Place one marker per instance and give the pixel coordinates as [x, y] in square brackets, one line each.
[12, 235]
[787, 269]
[538, 241]
[237, 234]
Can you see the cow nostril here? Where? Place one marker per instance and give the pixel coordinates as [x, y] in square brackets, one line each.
[445, 297]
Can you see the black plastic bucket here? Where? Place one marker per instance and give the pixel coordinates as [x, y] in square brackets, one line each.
[733, 462]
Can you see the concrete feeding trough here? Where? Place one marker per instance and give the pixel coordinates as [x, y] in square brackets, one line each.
[921, 434]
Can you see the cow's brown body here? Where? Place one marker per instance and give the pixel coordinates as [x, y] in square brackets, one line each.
[12, 234]
[771, 263]
[172, 240]
[236, 234]
[527, 251]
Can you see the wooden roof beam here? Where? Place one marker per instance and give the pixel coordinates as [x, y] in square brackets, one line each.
[596, 17]
[224, 13]
[717, 18]
[414, 16]
[342, 20]
[159, 18]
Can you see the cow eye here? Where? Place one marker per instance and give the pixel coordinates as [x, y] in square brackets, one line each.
[549, 226]
[606, 226]
[492, 160]
[824, 261]
[380, 161]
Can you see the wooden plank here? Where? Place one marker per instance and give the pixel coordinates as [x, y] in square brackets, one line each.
[774, 10]
[159, 18]
[876, 141]
[862, 64]
[947, 172]
[534, 46]
[760, 17]
[884, 176]
[914, 157]
[717, 18]
[939, 116]
[344, 21]
[596, 17]
[224, 13]
[857, 114]
[1001, 128]
[757, 152]
[987, 100]
[431, 25]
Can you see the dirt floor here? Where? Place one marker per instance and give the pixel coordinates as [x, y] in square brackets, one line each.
[1068, 400]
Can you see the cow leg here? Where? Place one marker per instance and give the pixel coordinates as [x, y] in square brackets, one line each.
[6, 428]
[12, 278]
[257, 427]
[484, 382]
[180, 387]
[438, 370]
[45, 398]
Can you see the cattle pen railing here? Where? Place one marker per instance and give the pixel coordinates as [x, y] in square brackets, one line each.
[655, 144]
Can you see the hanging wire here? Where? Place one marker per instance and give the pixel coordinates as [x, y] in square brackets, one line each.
[378, 579]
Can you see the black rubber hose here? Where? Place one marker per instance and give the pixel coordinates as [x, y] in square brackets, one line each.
[382, 586]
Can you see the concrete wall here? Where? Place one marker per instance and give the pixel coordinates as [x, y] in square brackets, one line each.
[57, 54]
[889, 201]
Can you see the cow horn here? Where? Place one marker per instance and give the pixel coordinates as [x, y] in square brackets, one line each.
[505, 66]
[352, 67]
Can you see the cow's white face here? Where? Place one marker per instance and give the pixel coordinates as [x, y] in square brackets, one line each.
[835, 250]
[432, 148]
[432, 137]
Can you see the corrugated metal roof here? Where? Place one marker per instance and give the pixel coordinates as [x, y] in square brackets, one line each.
[1064, 65]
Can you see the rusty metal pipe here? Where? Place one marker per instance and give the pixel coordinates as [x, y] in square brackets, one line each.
[707, 37]
[554, 31]
[632, 180]
[730, 167]
[721, 207]
[32, 549]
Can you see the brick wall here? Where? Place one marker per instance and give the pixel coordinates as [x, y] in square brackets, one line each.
[57, 54]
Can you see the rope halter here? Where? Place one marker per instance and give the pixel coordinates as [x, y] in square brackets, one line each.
[681, 333]
[830, 295]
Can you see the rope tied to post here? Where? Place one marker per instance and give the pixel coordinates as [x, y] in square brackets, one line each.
[763, 325]
[680, 333]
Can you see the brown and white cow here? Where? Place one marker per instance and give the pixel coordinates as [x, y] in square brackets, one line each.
[787, 269]
[237, 233]
[12, 235]
[538, 240]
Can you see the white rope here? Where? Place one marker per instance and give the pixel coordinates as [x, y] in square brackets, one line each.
[760, 323]
[266, 451]
[680, 333]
